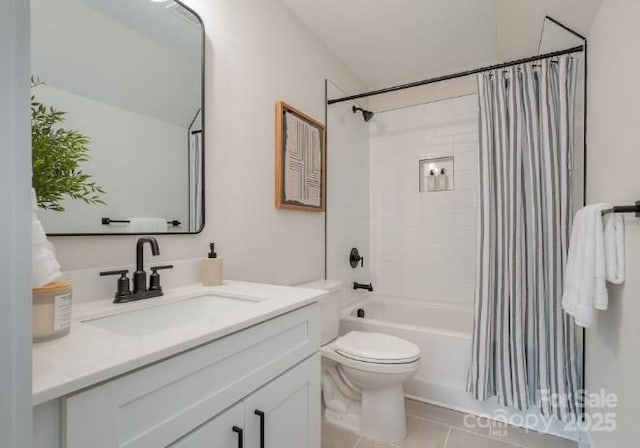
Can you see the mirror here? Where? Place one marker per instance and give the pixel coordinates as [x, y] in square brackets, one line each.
[128, 75]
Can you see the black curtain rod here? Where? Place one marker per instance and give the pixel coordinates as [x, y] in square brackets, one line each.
[457, 75]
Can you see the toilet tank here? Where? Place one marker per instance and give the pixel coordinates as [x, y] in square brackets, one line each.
[330, 304]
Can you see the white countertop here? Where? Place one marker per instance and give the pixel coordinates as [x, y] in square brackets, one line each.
[90, 355]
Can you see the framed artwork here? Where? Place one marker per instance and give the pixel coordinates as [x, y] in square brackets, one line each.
[300, 160]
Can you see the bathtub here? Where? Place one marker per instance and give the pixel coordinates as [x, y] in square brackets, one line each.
[443, 333]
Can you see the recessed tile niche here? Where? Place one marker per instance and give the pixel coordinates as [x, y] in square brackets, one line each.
[437, 174]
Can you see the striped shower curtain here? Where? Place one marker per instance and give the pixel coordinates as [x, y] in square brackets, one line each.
[524, 348]
[195, 182]
[195, 173]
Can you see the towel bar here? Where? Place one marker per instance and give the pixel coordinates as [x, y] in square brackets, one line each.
[624, 209]
[107, 221]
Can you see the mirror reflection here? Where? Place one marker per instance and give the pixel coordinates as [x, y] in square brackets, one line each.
[117, 116]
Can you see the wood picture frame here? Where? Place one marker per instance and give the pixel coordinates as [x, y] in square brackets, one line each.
[301, 160]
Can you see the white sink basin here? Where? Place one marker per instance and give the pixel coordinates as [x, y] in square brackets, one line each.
[169, 316]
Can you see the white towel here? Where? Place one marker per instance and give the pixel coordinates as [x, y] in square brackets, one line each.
[44, 265]
[593, 258]
[614, 247]
[147, 225]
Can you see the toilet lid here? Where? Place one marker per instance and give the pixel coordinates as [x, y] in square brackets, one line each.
[376, 347]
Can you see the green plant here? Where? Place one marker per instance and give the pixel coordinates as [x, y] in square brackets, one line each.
[57, 156]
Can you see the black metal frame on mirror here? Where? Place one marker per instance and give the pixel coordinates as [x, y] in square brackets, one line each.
[126, 121]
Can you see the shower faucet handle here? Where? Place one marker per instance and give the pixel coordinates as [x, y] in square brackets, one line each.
[355, 258]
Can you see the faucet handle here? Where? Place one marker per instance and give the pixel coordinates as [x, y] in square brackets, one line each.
[116, 272]
[159, 268]
[154, 278]
[124, 286]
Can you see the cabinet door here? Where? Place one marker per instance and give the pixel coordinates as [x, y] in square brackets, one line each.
[225, 430]
[285, 413]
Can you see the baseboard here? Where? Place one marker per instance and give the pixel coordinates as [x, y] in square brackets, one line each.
[459, 400]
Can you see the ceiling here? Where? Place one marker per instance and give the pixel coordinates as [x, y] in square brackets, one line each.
[156, 21]
[389, 42]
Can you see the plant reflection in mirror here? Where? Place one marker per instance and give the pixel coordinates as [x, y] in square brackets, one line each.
[57, 156]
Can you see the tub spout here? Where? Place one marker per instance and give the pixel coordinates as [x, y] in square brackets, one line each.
[368, 287]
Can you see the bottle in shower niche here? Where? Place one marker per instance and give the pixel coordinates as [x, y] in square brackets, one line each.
[442, 180]
[212, 268]
[431, 181]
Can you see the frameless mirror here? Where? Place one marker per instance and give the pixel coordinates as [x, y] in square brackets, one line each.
[127, 154]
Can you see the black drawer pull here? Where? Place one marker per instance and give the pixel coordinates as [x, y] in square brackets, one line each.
[261, 415]
[240, 436]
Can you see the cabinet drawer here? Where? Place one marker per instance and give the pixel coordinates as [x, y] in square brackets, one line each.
[154, 406]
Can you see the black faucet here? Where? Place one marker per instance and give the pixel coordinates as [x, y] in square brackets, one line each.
[368, 287]
[140, 290]
[140, 276]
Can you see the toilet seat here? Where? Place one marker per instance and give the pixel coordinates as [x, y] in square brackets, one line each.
[376, 348]
[329, 351]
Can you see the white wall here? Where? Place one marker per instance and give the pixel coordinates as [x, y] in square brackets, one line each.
[556, 38]
[131, 155]
[257, 53]
[423, 244]
[15, 229]
[613, 358]
[429, 93]
[347, 190]
[519, 38]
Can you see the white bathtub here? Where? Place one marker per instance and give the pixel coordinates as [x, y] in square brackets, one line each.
[443, 333]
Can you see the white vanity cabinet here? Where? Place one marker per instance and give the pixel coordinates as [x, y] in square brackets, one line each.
[197, 398]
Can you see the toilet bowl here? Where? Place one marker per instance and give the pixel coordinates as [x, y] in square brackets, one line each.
[363, 374]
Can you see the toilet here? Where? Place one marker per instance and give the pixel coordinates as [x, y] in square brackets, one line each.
[363, 373]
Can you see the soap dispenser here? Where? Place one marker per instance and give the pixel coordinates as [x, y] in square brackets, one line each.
[212, 268]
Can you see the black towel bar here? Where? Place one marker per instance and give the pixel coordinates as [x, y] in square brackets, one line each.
[624, 209]
[107, 221]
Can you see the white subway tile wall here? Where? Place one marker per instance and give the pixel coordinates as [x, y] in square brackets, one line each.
[423, 244]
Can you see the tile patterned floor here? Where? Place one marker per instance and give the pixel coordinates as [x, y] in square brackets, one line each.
[435, 427]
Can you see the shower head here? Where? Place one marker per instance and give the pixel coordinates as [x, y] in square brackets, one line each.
[366, 114]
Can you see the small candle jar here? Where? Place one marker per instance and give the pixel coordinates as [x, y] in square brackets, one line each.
[51, 314]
